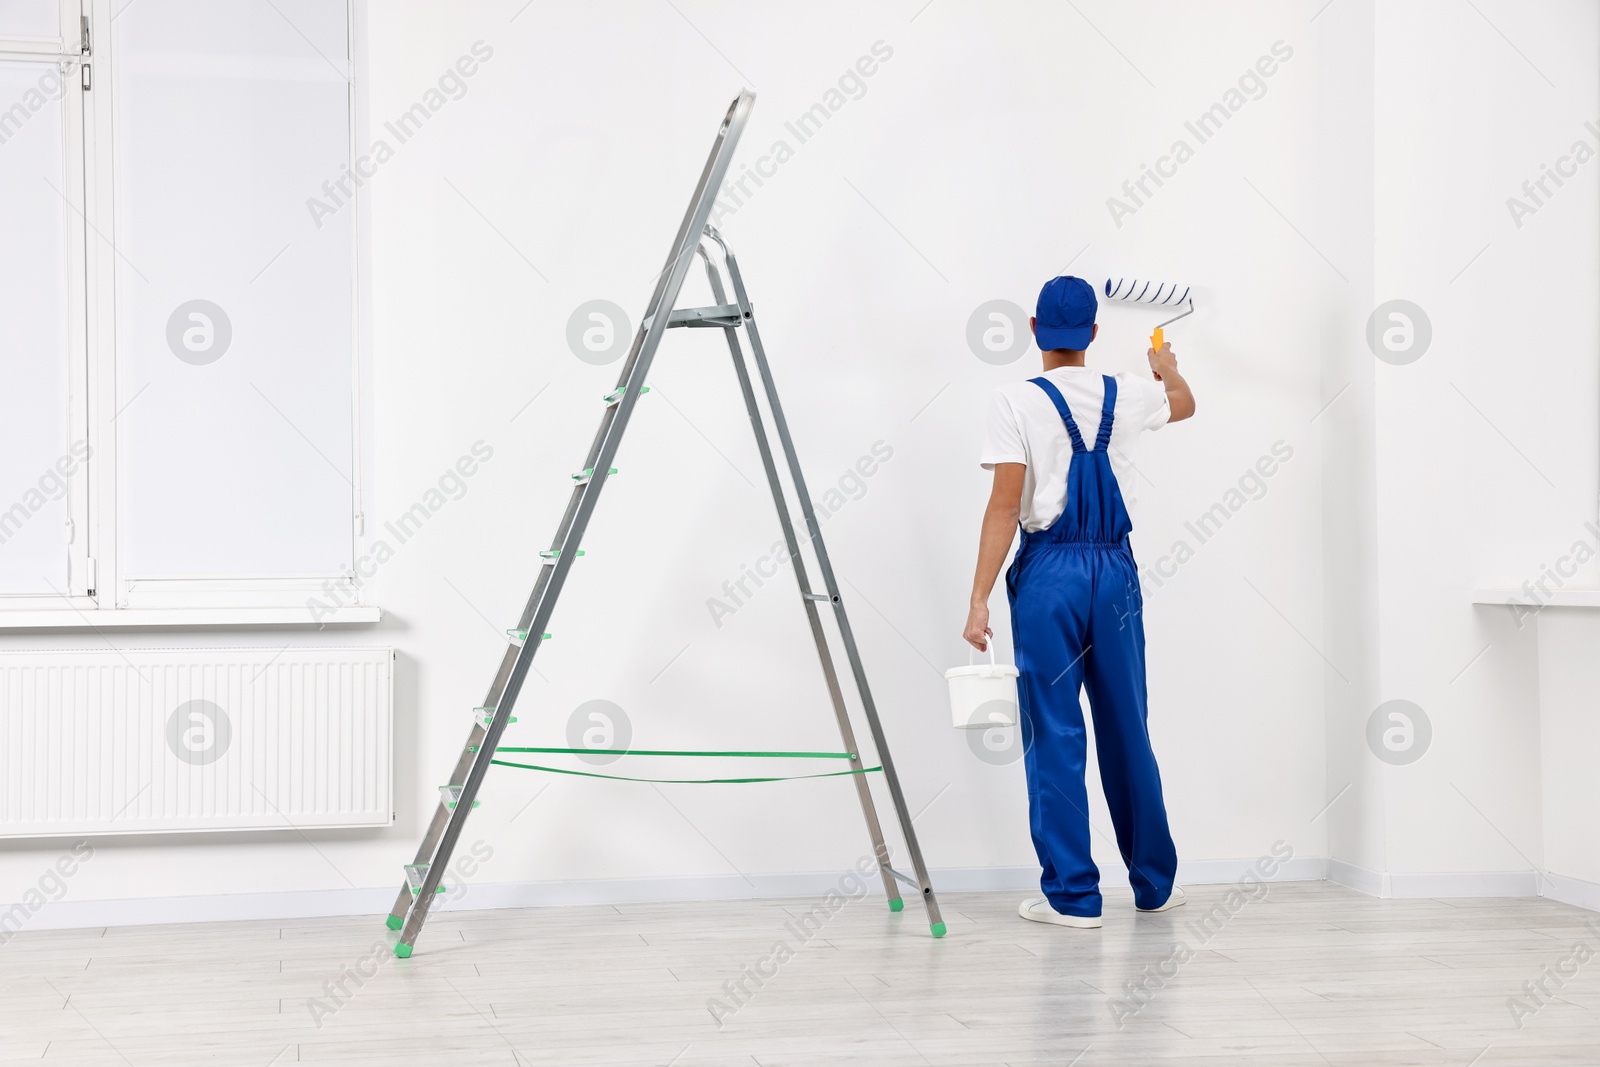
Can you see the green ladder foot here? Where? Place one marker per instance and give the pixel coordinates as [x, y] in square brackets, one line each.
[938, 929]
[402, 950]
[897, 904]
[394, 922]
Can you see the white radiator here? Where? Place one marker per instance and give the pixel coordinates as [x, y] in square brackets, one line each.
[161, 740]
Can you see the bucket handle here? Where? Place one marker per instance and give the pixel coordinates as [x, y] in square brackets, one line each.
[971, 650]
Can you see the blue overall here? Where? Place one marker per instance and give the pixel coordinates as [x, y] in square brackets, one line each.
[1076, 622]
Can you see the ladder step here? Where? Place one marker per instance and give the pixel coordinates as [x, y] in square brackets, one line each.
[614, 398]
[824, 597]
[451, 795]
[587, 474]
[555, 553]
[415, 873]
[483, 716]
[716, 315]
[520, 636]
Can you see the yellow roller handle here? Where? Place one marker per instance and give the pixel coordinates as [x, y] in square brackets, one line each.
[1157, 340]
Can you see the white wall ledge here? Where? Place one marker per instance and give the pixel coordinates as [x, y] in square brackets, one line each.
[63, 620]
[1519, 598]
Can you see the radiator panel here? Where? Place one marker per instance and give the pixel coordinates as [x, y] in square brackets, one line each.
[165, 740]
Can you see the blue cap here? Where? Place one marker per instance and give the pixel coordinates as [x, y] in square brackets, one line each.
[1066, 311]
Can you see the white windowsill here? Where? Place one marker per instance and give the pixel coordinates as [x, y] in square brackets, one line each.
[1558, 598]
[185, 618]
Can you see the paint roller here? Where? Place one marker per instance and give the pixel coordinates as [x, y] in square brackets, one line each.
[1162, 294]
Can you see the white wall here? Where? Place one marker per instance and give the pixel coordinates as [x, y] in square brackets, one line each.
[972, 140]
[1486, 447]
[976, 165]
[1345, 113]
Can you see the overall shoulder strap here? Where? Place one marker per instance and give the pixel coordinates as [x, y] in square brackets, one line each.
[1107, 412]
[1060, 402]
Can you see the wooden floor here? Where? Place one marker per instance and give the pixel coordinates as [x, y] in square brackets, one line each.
[1310, 974]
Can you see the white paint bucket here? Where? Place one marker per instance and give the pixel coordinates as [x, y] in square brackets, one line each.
[983, 695]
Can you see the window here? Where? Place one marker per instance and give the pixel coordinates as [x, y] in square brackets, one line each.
[180, 427]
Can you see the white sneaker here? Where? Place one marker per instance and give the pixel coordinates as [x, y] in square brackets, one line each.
[1176, 899]
[1039, 910]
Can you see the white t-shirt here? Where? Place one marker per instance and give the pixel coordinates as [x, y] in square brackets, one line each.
[1024, 427]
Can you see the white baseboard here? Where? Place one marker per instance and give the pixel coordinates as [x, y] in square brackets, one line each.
[80, 914]
[1465, 884]
[228, 907]
[1575, 891]
[491, 895]
[1361, 879]
[1402, 885]
[1221, 872]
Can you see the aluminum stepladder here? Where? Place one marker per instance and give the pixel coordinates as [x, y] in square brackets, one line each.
[695, 236]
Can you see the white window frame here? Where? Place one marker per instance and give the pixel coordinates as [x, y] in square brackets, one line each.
[64, 52]
[101, 594]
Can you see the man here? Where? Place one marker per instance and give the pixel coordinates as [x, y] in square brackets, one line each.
[1061, 448]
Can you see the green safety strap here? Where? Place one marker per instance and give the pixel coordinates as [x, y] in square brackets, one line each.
[672, 752]
[672, 781]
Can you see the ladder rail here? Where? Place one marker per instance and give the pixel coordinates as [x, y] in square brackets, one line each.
[458, 776]
[542, 600]
[830, 674]
[825, 567]
[535, 616]
[441, 816]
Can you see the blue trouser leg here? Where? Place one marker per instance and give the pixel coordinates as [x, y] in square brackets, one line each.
[1050, 624]
[1076, 624]
[1114, 676]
